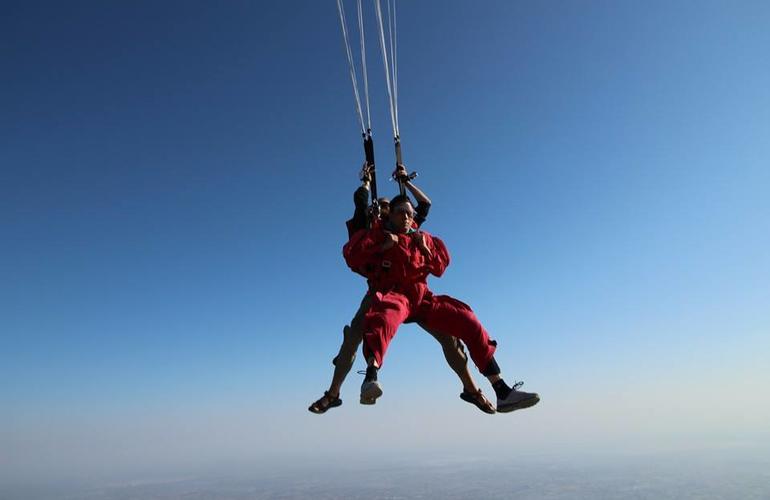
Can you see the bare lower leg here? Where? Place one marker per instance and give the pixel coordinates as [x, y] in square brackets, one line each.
[459, 363]
[469, 385]
[340, 372]
[456, 359]
[344, 360]
[334, 389]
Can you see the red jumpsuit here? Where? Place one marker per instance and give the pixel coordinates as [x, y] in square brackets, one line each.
[397, 280]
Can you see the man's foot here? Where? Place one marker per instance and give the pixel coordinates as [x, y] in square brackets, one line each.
[370, 391]
[517, 400]
[326, 402]
[478, 399]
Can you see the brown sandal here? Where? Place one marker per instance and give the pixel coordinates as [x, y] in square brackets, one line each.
[478, 399]
[326, 402]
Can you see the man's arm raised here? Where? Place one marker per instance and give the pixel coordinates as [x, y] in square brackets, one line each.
[423, 202]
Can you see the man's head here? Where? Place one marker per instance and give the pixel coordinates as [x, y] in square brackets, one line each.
[384, 204]
[401, 214]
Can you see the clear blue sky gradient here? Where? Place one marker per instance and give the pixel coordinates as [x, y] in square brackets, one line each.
[174, 177]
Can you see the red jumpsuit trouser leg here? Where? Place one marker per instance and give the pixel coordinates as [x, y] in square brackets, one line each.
[447, 315]
[387, 312]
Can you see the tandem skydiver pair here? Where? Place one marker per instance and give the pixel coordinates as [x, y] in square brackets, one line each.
[387, 246]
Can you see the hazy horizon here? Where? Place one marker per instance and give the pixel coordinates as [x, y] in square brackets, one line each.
[706, 474]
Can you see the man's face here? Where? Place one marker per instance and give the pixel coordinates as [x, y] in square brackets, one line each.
[384, 209]
[401, 217]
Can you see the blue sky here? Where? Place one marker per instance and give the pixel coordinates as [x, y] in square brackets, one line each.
[174, 179]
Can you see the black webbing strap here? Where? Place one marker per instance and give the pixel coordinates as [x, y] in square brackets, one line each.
[369, 152]
[401, 179]
[401, 187]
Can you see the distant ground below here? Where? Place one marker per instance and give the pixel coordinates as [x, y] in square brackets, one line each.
[663, 476]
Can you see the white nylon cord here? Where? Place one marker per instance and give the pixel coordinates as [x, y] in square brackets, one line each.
[394, 59]
[384, 50]
[351, 65]
[363, 64]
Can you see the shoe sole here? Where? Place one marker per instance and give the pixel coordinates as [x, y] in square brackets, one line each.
[526, 403]
[470, 399]
[370, 394]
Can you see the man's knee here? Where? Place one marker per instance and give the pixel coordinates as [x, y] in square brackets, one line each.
[454, 352]
[448, 342]
[352, 335]
[453, 346]
[351, 339]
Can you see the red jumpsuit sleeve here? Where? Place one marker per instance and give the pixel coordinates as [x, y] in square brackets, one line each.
[439, 259]
[362, 248]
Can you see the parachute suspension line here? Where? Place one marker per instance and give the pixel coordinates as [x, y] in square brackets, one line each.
[366, 127]
[368, 141]
[351, 65]
[363, 66]
[384, 50]
[394, 57]
[392, 34]
[391, 83]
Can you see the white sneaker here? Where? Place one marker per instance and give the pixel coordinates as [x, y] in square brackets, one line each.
[370, 391]
[517, 400]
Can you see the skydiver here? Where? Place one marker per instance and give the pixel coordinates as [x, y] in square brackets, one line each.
[396, 257]
[352, 334]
